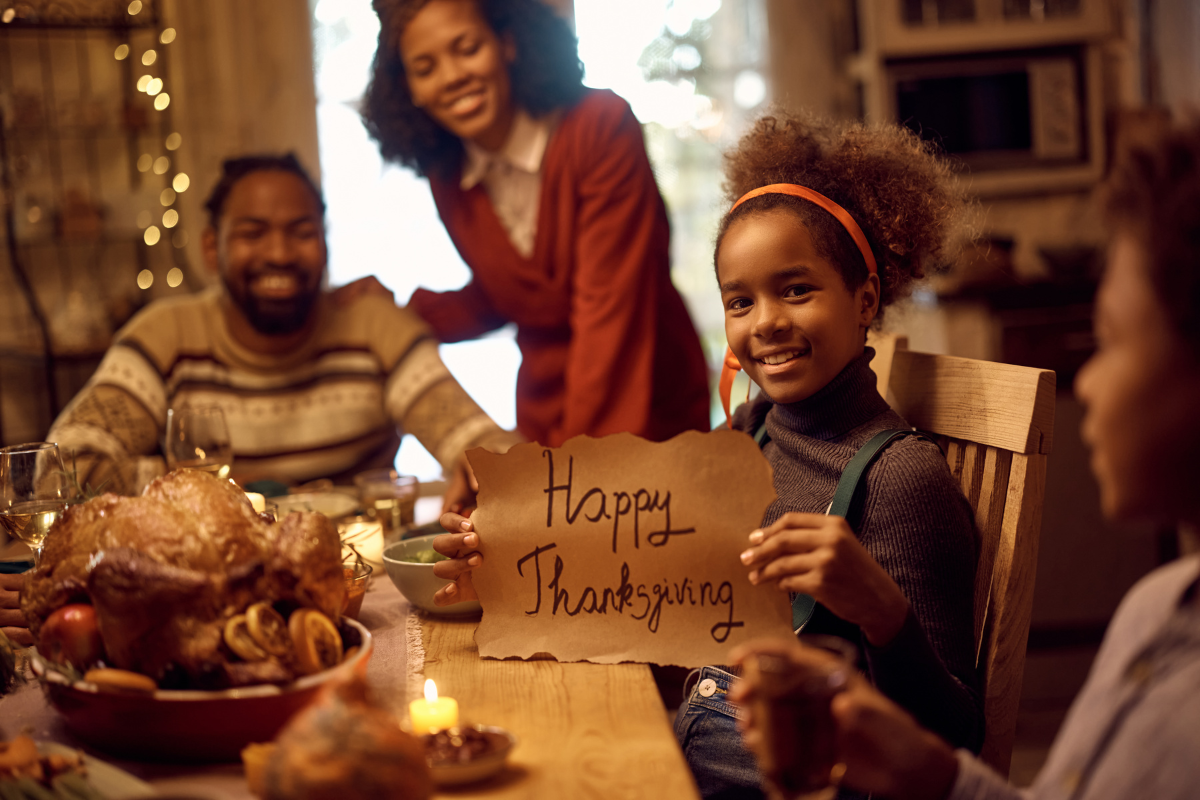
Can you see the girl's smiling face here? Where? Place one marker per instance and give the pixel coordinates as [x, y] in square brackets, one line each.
[789, 317]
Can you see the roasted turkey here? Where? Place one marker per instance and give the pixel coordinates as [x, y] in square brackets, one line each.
[165, 571]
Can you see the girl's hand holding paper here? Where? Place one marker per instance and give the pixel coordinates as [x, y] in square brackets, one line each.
[461, 547]
[818, 555]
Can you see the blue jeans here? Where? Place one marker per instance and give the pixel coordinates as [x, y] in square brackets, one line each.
[706, 727]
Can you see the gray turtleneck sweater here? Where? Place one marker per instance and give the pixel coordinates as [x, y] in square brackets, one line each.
[914, 521]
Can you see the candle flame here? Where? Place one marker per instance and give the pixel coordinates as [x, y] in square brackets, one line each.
[430, 690]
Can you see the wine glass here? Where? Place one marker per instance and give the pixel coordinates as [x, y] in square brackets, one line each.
[389, 497]
[197, 438]
[34, 492]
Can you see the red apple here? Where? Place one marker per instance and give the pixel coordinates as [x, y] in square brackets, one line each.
[71, 636]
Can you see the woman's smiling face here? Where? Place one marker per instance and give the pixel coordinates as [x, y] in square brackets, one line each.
[457, 70]
[789, 317]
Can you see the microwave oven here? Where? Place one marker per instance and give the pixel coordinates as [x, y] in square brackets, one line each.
[1018, 119]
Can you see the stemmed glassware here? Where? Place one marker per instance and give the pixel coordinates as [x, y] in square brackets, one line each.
[198, 438]
[34, 492]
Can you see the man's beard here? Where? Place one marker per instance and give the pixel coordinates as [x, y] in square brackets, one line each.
[273, 316]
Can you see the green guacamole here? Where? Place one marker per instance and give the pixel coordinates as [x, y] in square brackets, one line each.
[425, 557]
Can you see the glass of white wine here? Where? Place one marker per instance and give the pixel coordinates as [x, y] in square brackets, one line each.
[198, 438]
[34, 492]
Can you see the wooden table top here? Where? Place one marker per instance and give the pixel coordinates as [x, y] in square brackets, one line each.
[584, 730]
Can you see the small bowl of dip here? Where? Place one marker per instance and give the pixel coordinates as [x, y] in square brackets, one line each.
[409, 564]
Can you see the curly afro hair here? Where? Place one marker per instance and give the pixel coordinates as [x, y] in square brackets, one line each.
[906, 200]
[234, 169]
[1153, 193]
[546, 75]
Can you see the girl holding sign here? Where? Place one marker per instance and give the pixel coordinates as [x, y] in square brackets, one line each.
[829, 225]
[1134, 730]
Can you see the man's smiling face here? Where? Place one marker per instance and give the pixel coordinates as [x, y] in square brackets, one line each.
[789, 317]
[269, 247]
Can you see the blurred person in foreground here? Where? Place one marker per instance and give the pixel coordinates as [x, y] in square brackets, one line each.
[1134, 730]
[310, 388]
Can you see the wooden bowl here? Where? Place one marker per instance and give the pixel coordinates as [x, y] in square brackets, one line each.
[186, 726]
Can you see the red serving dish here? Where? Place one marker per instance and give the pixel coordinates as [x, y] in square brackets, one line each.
[186, 726]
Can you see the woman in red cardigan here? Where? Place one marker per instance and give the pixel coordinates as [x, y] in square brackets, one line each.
[546, 190]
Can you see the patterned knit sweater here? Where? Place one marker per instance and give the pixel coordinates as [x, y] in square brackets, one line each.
[335, 405]
[914, 521]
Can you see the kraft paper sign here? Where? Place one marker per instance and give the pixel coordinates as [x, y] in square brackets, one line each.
[619, 549]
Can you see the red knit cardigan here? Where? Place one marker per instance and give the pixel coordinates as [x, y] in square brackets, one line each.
[605, 339]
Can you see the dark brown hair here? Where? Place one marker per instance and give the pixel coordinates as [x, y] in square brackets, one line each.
[546, 75]
[906, 200]
[1153, 193]
[234, 169]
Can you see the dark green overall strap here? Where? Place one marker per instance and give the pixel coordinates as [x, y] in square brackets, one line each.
[802, 604]
[854, 471]
[761, 437]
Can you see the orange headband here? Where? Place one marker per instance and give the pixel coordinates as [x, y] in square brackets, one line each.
[842, 215]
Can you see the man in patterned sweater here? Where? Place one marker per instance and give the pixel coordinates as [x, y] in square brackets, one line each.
[310, 388]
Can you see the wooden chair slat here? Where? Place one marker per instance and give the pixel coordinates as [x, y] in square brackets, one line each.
[1006, 630]
[972, 477]
[953, 448]
[944, 442]
[1000, 405]
[989, 517]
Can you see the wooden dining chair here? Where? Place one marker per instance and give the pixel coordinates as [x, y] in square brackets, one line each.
[995, 423]
[885, 346]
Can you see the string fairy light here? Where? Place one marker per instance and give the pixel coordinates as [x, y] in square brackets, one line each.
[147, 162]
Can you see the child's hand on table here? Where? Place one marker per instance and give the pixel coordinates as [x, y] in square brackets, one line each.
[460, 546]
[818, 555]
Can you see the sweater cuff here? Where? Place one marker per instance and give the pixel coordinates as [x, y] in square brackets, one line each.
[908, 644]
[976, 781]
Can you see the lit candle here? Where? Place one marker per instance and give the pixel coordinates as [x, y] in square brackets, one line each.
[433, 713]
[258, 501]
